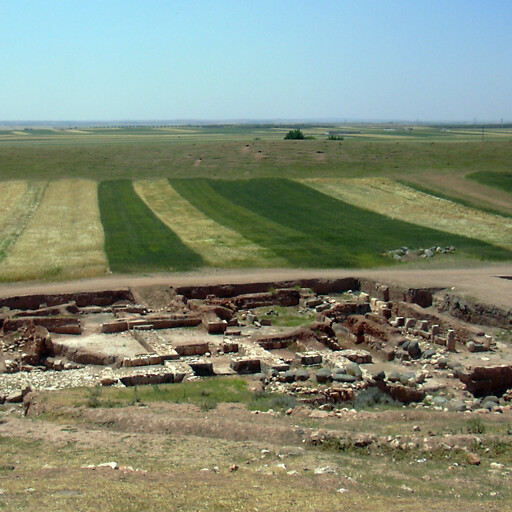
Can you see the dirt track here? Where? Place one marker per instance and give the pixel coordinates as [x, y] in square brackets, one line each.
[480, 282]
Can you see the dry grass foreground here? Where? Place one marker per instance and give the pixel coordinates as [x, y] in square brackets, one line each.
[64, 237]
[387, 197]
[179, 456]
[217, 244]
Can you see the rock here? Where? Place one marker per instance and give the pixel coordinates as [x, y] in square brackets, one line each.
[379, 375]
[323, 376]
[357, 356]
[287, 377]
[442, 362]
[317, 414]
[473, 459]
[353, 369]
[414, 349]
[14, 398]
[302, 375]
[489, 405]
[427, 354]
[457, 405]
[111, 465]
[342, 377]
[440, 401]
[405, 378]
[394, 377]
[325, 470]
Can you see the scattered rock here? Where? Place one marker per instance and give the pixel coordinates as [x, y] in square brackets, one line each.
[473, 459]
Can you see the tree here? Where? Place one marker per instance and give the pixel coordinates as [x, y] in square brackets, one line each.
[294, 135]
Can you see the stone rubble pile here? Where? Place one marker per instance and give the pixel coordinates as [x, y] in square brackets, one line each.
[361, 346]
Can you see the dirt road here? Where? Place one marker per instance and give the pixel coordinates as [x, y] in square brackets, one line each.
[482, 282]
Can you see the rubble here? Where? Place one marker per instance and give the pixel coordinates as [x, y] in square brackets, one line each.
[360, 324]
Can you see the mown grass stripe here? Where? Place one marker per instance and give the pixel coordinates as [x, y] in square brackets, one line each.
[64, 238]
[289, 244]
[327, 231]
[19, 204]
[398, 201]
[218, 245]
[135, 239]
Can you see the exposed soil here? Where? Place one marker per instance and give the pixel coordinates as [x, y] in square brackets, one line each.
[482, 282]
[461, 187]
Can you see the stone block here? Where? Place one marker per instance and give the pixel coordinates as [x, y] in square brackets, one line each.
[310, 358]
[202, 368]
[245, 365]
[410, 323]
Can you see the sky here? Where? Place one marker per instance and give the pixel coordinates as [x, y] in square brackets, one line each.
[102, 60]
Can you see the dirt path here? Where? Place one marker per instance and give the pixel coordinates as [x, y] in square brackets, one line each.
[459, 186]
[481, 282]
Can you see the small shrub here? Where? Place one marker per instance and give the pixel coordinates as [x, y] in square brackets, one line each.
[371, 397]
[476, 426]
[264, 401]
[294, 135]
[135, 398]
[207, 404]
[93, 397]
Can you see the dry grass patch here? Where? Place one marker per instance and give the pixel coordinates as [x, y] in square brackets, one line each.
[10, 195]
[387, 197]
[64, 238]
[218, 245]
[18, 202]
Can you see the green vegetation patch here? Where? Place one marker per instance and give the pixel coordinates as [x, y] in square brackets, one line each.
[311, 229]
[205, 393]
[499, 180]
[135, 239]
[285, 316]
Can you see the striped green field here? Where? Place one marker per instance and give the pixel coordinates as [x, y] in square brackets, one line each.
[398, 201]
[135, 239]
[218, 245]
[311, 229]
[77, 228]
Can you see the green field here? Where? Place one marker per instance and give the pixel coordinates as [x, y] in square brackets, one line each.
[136, 240]
[314, 230]
[186, 197]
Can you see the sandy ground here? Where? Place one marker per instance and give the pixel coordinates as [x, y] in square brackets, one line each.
[481, 282]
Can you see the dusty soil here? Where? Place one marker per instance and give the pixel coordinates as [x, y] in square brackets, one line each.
[481, 282]
[230, 459]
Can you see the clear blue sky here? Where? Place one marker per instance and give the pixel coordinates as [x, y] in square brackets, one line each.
[255, 59]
